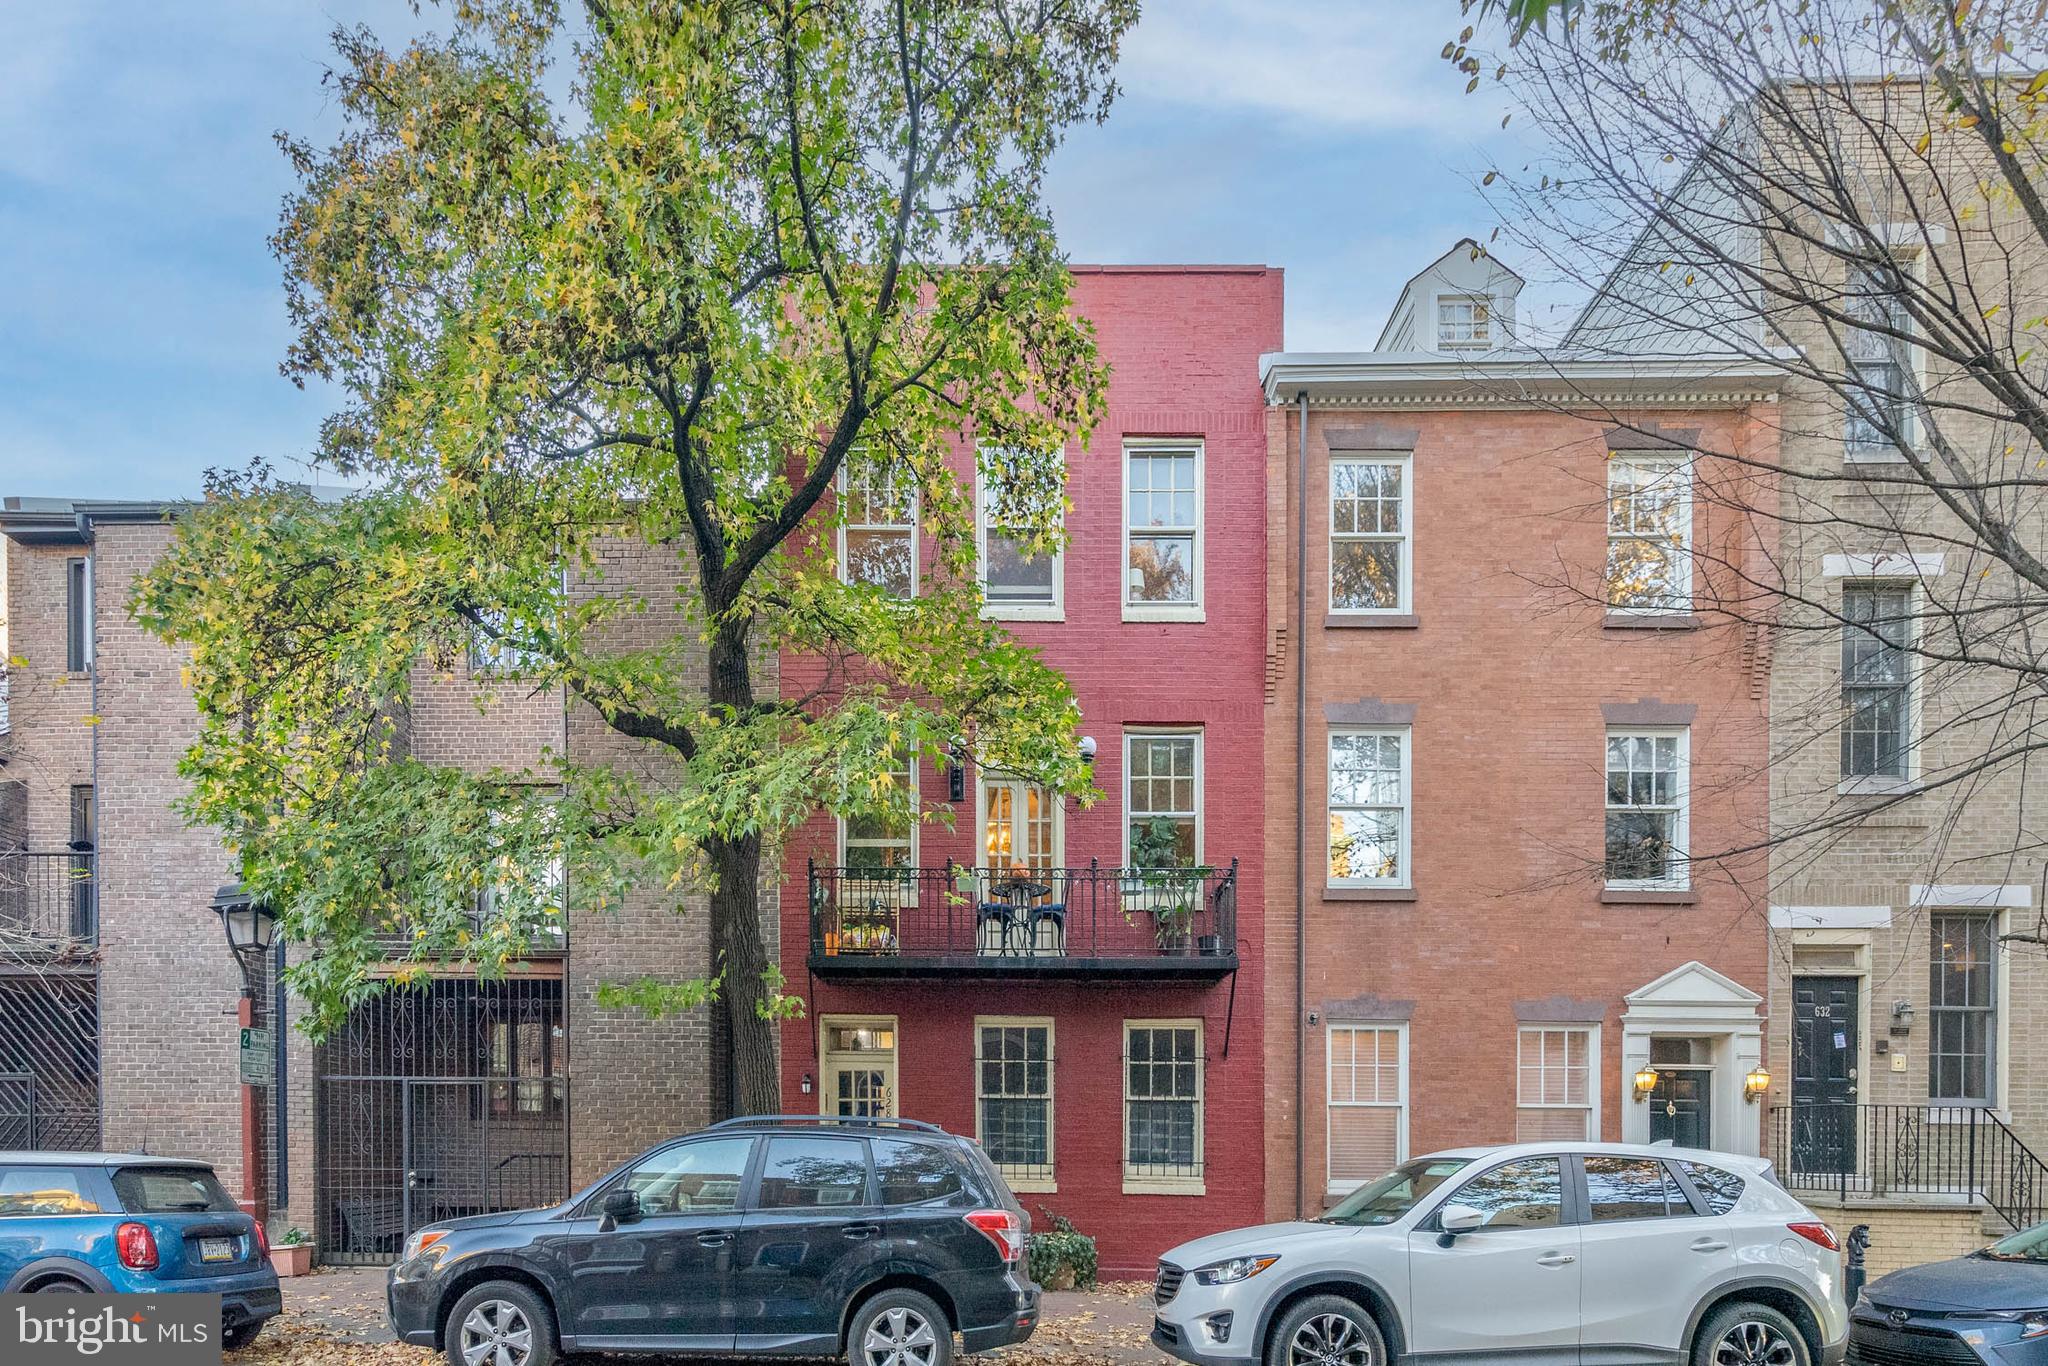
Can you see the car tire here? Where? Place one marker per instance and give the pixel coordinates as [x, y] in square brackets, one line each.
[900, 1327]
[1749, 1334]
[500, 1323]
[241, 1335]
[1326, 1328]
[60, 1285]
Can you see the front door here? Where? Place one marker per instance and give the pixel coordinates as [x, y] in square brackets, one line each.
[809, 1242]
[1825, 1052]
[1509, 1289]
[1682, 1107]
[859, 1066]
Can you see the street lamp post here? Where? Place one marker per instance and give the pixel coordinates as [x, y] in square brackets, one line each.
[251, 928]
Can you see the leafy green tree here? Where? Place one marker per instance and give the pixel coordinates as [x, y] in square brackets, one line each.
[744, 245]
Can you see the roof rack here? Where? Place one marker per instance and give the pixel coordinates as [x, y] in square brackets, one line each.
[857, 1121]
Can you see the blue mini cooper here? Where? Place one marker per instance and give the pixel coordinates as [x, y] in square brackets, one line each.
[119, 1223]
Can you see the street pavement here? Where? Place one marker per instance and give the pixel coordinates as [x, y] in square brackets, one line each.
[335, 1317]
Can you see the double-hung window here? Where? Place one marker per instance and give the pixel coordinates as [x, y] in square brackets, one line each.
[1877, 701]
[1878, 409]
[1464, 322]
[526, 874]
[878, 526]
[1649, 534]
[1646, 809]
[1555, 1094]
[1368, 817]
[1963, 1009]
[1162, 530]
[1370, 535]
[1163, 798]
[494, 647]
[878, 851]
[1013, 1098]
[1367, 1119]
[1019, 580]
[1163, 1104]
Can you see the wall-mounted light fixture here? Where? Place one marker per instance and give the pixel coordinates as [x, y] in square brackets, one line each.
[1756, 1084]
[1902, 1017]
[1087, 749]
[1646, 1081]
[806, 1083]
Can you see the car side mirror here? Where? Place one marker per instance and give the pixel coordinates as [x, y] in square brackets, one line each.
[1457, 1219]
[619, 1207]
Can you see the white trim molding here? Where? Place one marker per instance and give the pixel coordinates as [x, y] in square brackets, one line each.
[1964, 896]
[1694, 1001]
[1831, 917]
[1885, 565]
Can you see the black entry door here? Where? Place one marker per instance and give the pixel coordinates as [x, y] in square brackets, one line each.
[1682, 1108]
[1824, 1061]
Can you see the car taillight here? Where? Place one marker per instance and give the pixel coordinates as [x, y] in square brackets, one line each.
[137, 1246]
[1820, 1235]
[1002, 1228]
[262, 1238]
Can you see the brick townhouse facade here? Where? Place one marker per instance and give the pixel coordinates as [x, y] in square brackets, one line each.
[117, 991]
[1497, 737]
[1080, 988]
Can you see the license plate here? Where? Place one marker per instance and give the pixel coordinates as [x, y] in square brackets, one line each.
[217, 1249]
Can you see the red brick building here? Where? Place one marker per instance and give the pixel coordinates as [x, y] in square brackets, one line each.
[1507, 743]
[1100, 1030]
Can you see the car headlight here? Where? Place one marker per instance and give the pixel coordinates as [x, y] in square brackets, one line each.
[1232, 1270]
[2033, 1322]
[421, 1241]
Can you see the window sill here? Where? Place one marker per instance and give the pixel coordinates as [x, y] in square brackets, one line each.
[1377, 621]
[1873, 455]
[1042, 1185]
[1368, 894]
[1964, 1111]
[1648, 896]
[1164, 1185]
[1016, 614]
[1651, 621]
[1135, 612]
[1877, 787]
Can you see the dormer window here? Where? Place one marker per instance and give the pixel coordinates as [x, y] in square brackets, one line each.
[1464, 322]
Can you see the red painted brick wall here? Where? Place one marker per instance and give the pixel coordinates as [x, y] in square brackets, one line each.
[1183, 345]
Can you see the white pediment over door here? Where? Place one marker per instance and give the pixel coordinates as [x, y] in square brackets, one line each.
[1695, 986]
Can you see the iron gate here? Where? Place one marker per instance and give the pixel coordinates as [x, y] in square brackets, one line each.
[440, 1101]
[49, 1060]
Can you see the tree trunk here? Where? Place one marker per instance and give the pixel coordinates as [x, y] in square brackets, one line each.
[739, 1033]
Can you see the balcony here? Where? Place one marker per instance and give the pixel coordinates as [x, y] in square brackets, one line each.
[1067, 923]
[49, 903]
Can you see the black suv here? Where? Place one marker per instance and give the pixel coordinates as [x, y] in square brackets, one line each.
[782, 1235]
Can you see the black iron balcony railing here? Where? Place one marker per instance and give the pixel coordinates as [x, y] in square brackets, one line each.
[49, 902]
[1881, 1151]
[960, 921]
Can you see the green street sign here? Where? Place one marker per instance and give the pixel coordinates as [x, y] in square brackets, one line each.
[259, 1057]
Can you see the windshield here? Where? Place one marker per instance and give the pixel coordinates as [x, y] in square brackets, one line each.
[171, 1190]
[2028, 1245]
[1393, 1195]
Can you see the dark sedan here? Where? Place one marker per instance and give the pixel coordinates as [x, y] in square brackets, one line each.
[1991, 1306]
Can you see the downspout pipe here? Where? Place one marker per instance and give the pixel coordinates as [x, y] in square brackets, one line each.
[1301, 811]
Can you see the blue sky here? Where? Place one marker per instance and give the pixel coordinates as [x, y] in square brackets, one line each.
[142, 319]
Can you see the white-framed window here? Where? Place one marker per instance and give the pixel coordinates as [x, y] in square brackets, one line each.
[1162, 530]
[884, 844]
[1877, 681]
[878, 526]
[1017, 583]
[1557, 1099]
[1163, 1106]
[1013, 1118]
[535, 876]
[491, 652]
[1962, 1009]
[1464, 322]
[1367, 1114]
[1371, 534]
[1162, 798]
[1647, 798]
[1368, 816]
[1880, 409]
[1649, 533]
[857, 1060]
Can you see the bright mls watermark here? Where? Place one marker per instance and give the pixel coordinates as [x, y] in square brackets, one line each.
[110, 1330]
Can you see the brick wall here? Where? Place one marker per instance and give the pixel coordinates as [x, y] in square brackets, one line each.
[1904, 1235]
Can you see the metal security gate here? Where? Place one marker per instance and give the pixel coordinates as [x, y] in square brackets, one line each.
[49, 1059]
[440, 1101]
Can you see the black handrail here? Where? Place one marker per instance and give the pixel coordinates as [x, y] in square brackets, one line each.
[49, 901]
[1874, 1151]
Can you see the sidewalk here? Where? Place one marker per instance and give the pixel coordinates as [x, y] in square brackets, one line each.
[335, 1317]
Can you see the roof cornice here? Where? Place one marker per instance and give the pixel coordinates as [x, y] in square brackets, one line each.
[1367, 379]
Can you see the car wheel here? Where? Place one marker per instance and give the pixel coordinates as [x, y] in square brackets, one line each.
[1747, 1334]
[900, 1328]
[60, 1285]
[241, 1335]
[500, 1323]
[1326, 1330]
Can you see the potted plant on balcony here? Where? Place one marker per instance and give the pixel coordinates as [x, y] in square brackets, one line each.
[292, 1254]
[1163, 885]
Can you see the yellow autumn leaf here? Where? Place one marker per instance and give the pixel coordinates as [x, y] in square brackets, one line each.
[89, 719]
[1926, 141]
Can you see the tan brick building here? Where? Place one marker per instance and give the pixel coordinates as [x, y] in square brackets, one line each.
[1494, 792]
[117, 991]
